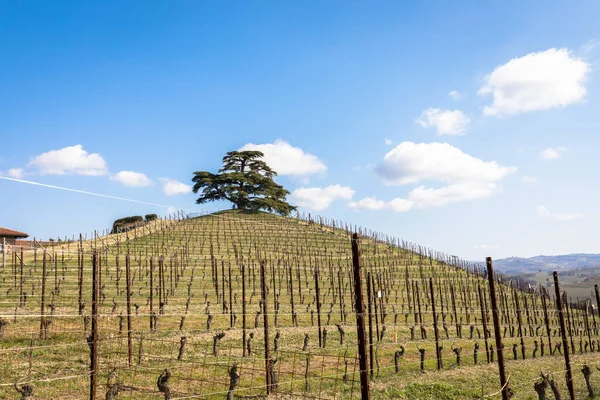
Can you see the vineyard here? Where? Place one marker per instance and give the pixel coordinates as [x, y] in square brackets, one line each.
[236, 305]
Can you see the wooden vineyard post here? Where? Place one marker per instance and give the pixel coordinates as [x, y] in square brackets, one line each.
[21, 296]
[230, 298]
[151, 292]
[369, 299]
[93, 338]
[484, 322]
[546, 319]
[497, 334]
[374, 295]
[80, 267]
[291, 286]
[43, 300]
[128, 277]
[318, 301]
[565, 345]
[55, 271]
[454, 310]
[243, 311]
[597, 298]
[341, 295]
[519, 322]
[435, 327]
[360, 319]
[266, 326]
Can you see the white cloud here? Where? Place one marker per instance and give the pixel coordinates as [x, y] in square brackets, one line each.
[423, 197]
[552, 153]
[465, 177]
[133, 179]
[388, 142]
[455, 95]
[529, 179]
[537, 81]
[368, 203]
[320, 198]
[486, 247]
[401, 205]
[16, 173]
[411, 162]
[172, 187]
[543, 211]
[446, 122]
[286, 159]
[69, 160]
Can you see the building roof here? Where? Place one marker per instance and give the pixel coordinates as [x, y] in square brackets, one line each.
[10, 232]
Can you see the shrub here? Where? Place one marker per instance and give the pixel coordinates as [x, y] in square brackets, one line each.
[127, 223]
[151, 217]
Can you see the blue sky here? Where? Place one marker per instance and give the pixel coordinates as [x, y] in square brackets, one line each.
[469, 127]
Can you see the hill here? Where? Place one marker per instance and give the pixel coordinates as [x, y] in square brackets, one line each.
[186, 308]
[517, 265]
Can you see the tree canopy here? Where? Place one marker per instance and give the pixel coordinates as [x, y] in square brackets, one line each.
[246, 181]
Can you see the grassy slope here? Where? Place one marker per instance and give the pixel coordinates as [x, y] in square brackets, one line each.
[284, 243]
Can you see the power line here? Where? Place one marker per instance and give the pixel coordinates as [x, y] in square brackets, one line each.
[89, 193]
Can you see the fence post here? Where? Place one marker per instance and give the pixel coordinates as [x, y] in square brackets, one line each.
[519, 322]
[597, 299]
[266, 326]
[369, 299]
[243, 310]
[561, 317]
[360, 319]
[435, 327]
[80, 268]
[3, 253]
[128, 277]
[93, 339]
[484, 322]
[318, 302]
[497, 334]
[21, 296]
[151, 293]
[43, 300]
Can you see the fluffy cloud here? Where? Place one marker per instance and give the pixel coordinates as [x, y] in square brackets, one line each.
[368, 203]
[543, 211]
[172, 187]
[552, 153]
[16, 173]
[411, 162]
[455, 95]
[465, 177]
[133, 179]
[320, 198]
[529, 179]
[69, 160]
[446, 122]
[286, 159]
[537, 81]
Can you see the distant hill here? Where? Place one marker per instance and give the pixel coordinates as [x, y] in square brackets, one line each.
[520, 265]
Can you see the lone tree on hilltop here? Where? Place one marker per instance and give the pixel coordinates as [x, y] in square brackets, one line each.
[246, 181]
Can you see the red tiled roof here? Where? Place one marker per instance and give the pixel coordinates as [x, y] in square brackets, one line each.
[10, 232]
